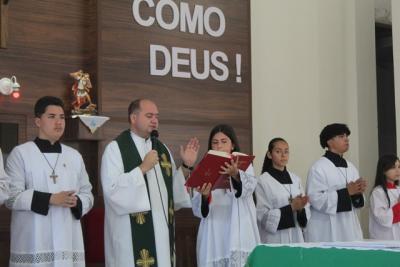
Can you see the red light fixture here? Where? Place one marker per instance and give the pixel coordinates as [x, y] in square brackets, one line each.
[16, 94]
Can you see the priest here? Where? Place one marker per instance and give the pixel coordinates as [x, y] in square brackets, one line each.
[335, 190]
[142, 188]
[3, 181]
[49, 193]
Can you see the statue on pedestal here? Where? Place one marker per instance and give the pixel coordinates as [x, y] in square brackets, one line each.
[82, 103]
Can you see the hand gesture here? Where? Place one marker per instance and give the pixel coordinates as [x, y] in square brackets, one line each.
[65, 199]
[352, 188]
[357, 187]
[362, 184]
[299, 202]
[231, 169]
[190, 151]
[149, 161]
[204, 190]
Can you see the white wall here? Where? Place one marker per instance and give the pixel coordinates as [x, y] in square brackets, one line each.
[313, 63]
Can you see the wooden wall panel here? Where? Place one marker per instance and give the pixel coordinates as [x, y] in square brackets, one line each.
[3, 24]
[46, 41]
[125, 67]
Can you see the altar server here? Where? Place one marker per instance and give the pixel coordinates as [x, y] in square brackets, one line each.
[282, 206]
[228, 229]
[335, 190]
[49, 193]
[384, 217]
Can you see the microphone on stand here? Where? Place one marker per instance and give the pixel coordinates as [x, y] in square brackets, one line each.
[153, 138]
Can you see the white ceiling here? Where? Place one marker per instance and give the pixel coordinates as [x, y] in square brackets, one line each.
[383, 11]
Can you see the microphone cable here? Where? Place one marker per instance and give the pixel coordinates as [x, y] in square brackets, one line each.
[153, 137]
[162, 204]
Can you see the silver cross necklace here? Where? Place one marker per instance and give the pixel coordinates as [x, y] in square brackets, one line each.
[289, 191]
[53, 174]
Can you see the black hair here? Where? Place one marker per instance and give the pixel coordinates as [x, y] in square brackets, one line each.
[331, 131]
[267, 165]
[45, 101]
[134, 106]
[228, 131]
[385, 163]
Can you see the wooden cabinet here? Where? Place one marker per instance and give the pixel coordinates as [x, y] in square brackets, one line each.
[12, 133]
[78, 136]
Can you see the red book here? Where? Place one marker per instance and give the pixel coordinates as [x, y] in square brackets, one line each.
[207, 171]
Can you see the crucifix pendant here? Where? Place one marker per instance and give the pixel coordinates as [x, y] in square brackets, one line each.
[53, 176]
[290, 199]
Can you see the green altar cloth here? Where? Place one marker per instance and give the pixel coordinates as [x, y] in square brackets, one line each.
[285, 256]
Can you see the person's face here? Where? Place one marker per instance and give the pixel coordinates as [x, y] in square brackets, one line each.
[279, 155]
[339, 144]
[393, 174]
[221, 142]
[51, 124]
[145, 120]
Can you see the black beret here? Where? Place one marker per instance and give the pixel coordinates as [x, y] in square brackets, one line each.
[331, 131]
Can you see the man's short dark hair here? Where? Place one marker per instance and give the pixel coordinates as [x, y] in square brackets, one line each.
[134, 106]
[44, 102]
[331, 131]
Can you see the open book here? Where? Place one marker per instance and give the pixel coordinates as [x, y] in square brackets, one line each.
[207, 171]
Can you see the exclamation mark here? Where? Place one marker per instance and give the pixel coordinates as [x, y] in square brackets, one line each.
[238, 68]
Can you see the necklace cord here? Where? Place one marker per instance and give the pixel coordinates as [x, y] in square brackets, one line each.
[48, 162]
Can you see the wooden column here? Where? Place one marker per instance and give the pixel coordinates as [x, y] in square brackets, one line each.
[3, 23]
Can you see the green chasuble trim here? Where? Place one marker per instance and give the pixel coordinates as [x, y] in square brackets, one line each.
[143, 239]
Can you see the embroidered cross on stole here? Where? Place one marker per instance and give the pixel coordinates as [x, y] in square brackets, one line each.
[143, 238]
[145, 259]
[165, 164]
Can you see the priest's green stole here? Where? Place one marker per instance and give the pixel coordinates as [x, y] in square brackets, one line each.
[143, 239]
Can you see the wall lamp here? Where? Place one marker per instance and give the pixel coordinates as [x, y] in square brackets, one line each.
[10, 86]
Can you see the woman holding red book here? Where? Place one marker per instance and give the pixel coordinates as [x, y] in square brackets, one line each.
[228, 228]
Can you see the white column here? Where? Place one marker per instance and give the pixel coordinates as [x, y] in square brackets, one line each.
[396, 62]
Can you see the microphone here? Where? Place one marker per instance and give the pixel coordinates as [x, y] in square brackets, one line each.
[153, 138]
